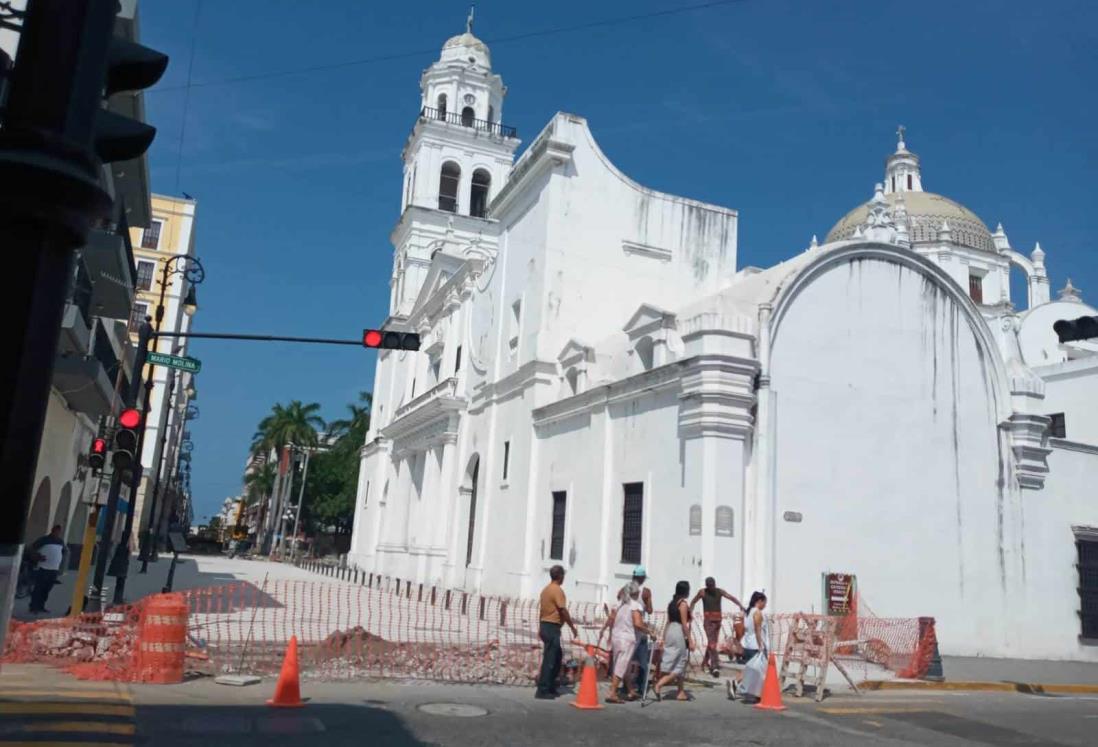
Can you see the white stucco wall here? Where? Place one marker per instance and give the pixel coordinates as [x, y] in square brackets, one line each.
[886, 442]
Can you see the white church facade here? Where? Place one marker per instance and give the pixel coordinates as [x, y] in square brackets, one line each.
[599, 385]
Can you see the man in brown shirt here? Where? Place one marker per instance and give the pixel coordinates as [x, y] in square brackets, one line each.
[554, 614]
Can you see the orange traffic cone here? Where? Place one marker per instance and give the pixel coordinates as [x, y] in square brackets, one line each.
[772, 689]
[288, 690]
[588, 696]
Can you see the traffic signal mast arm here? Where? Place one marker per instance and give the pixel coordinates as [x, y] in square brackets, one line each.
[371, 338]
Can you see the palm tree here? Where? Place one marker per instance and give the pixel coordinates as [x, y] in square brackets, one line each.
[259, 483]
[297, 424]
[357, 424]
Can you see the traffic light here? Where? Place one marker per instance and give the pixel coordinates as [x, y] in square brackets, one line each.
[383, 339]
[125, 439]
[98, 454]
[1083, 328]
[131, 67]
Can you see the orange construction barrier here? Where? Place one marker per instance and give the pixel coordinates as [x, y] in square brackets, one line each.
[162, 640]
[587, 698]
[288, 688]
[772, 690]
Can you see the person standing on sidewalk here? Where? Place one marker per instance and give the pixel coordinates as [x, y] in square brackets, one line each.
[677, 642]
[642, 654]
[711, 597]
[554, 615]
[49, 551]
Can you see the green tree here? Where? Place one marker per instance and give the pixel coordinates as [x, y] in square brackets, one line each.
[333, 472]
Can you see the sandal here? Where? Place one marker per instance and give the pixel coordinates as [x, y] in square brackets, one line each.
[614, 699]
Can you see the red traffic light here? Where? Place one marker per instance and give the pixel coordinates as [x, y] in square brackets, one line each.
[99, 446]
[130, 418]
[371, 338]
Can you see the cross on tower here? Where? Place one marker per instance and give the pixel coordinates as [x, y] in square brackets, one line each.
[900, 133]
[469, 20]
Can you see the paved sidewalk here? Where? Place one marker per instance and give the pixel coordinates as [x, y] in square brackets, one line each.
[1039, 671]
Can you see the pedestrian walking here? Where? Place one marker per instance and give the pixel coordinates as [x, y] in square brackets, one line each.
[756, 649]
[48, 551]
[711, 597]
[627, 628]
[642, 656]
[677, 642]
[554, 615]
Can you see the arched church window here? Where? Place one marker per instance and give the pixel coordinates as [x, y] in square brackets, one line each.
[441, 106]
[695, 519]
[645, 352]
[724, 521]
[467, 116]
[448, 186]
[478, 195]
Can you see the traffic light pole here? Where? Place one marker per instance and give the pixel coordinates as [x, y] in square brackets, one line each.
[45, 148]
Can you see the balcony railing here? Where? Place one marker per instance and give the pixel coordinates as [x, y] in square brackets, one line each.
[482, 125]
[445, 388]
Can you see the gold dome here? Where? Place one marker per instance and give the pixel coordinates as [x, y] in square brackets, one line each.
[926, 212]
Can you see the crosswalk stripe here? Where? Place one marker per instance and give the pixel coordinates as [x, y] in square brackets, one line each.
[106, 695]
[85, 727]
[74, 708]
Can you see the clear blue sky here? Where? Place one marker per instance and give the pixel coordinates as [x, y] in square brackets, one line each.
[783, 110]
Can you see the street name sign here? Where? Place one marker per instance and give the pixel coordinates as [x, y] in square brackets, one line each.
[191, 365]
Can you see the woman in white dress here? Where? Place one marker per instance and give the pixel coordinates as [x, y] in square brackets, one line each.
[756, 640]
[626, 625]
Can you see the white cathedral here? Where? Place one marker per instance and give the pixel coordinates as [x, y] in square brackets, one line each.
[599, 385]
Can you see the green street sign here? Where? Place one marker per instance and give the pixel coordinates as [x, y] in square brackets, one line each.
[191, 365]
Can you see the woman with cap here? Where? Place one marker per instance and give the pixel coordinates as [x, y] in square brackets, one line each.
[627, 626]
[677, 642]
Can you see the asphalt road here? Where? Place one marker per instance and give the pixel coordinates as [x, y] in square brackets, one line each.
[43, 706]
[405, 714]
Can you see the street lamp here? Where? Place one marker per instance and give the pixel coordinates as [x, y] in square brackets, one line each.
[193, 273]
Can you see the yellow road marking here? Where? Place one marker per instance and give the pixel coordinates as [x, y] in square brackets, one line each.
[869, 711]
[90, 708]
[66, 744]
[89, 727]
[9, 694]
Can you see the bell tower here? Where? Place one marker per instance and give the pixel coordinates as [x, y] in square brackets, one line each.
[902, 168]
[457, 158]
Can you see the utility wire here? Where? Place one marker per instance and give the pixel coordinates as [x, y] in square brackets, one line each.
[187, 95]
[419, 53]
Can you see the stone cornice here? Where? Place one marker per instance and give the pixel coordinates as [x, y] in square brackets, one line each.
[718, 394]
[1079, 446]
[532, 372]
[661, 378]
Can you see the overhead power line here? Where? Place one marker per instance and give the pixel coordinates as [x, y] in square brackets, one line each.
[421, 52]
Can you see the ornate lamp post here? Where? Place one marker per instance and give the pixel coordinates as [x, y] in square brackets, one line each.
[192, 271]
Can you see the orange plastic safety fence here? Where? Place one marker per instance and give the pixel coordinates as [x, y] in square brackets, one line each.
[357, 624]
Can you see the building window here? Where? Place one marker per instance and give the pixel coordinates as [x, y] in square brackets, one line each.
[724, 521]
[695, 519]
[976, 287]
[506, 458]
[556, 539]
[457, 359]
[436, 368]
[478, 195]
[632, 519]
[366, 495]
[441, 106]
[909, 187]
[150, 237]
[646, 353]
[137, 316]
[491, 114]
[1057, 427]
[467, 116]
[1086, 544]
[145, 272]
[448, 186]
[516, 323]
